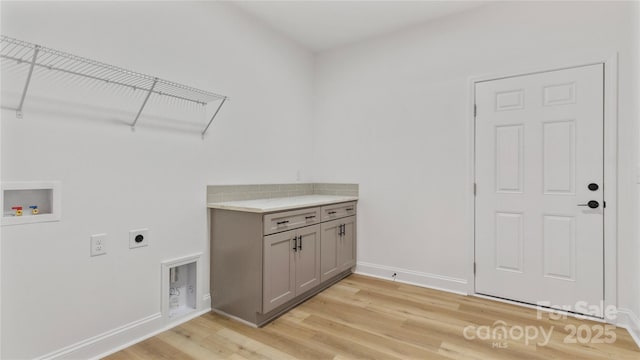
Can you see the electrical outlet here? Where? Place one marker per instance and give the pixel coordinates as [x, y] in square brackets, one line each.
[138, 238]
[98, 244]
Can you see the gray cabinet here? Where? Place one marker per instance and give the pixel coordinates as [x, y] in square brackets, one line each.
[279, 274]
[338, 246]
[329, 250]
[286, 220]
[347, 244]
[263, 264]
[307, 259]
[291, 265]
[336, 211]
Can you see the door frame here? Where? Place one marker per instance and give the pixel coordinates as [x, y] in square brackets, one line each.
[610, 114]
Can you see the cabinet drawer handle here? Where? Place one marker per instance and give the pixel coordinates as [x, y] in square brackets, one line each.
[349, 209]
[309, 217]
[331, 212]
[283, 222]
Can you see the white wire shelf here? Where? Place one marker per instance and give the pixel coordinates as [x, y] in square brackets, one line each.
[35, 56]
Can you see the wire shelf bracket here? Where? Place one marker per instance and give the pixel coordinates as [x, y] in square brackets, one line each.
[144, 103]
[213, 117]
[36, 56]
[36, 49]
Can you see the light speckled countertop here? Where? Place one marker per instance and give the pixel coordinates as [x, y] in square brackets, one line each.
[279, 204]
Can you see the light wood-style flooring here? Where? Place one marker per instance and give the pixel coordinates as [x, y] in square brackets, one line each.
[366, 318]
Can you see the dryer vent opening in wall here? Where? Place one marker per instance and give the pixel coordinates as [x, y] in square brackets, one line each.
[182, 289]
[180, 286]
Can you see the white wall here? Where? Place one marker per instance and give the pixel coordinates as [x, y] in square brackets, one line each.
[635, 308]
[392, 114]
[53, 294]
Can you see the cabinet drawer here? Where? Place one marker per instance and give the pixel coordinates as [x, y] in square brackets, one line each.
[337, 211]
[288, 220]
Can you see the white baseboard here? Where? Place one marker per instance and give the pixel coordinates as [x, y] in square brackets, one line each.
[109, 342]
[101, 338]
[432, 281]
[630, 321]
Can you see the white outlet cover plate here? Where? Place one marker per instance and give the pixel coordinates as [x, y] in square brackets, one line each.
[98, 244]
[132, 238]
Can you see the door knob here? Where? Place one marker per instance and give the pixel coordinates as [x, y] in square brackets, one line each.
[592, 204]
[593, 187]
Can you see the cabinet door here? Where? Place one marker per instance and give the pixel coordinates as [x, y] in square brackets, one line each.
[347, 244]
[307, 258]
[279, 270]
[329, 249]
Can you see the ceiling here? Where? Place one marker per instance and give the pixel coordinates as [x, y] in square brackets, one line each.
[321, 25]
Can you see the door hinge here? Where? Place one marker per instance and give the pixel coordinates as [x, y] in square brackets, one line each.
[474, 268]
[604, 204]
[475, 110]
[475, 189]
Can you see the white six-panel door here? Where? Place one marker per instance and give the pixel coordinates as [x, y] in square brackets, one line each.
[539, 146]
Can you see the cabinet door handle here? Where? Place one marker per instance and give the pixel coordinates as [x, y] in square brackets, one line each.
[300, 244]
[282, 222]
[295, 244]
